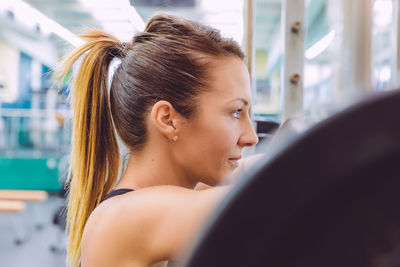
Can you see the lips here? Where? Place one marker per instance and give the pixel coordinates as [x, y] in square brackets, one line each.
[234, 161]
[235, 158]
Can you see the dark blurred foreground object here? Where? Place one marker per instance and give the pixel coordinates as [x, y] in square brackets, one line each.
[331, 197]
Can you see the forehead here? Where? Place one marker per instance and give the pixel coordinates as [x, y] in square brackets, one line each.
[229, 79]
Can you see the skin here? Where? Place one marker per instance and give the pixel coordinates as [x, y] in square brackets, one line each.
[160, 217]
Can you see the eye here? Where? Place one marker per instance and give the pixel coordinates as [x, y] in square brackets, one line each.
[236, 113]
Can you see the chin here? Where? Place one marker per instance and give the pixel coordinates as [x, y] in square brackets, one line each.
[213, 181]
[222, 179]
[216, 177]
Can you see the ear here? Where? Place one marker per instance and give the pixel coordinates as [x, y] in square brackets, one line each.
[165, 119]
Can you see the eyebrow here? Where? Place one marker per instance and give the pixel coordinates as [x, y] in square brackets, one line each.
[245, 102]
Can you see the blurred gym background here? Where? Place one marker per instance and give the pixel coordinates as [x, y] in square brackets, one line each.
[307, 58]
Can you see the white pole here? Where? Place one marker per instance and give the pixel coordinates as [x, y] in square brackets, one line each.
[248, 42]
[293, 32]
[249, 38]
[356, 54]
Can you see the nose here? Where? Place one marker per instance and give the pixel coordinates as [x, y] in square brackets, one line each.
[249, 136]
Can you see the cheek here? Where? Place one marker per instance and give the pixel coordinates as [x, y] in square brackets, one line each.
[205, 149]
[217, 144]
[219, 137]
[207, 144]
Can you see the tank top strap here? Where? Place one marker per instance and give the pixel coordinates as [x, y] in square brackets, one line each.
[117, 192]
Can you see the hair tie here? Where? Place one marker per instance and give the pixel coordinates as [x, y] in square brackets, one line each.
[112, 68]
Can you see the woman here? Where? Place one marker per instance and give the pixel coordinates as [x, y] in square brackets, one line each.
[179, 99]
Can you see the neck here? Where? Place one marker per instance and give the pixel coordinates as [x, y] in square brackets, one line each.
[151, 167]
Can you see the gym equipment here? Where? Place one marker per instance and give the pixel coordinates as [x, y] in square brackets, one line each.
[265, 129]
[330, 197]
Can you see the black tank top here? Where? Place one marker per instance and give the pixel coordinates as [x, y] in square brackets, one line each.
[116, 192]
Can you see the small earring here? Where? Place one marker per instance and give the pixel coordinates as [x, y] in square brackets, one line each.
[175, 138]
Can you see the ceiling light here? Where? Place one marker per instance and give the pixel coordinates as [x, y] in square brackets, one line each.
[30, 15]
[320, 46]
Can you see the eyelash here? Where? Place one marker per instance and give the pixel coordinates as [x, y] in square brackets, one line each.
[236, 113]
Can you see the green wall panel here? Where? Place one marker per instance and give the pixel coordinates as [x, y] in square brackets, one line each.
[29, 173]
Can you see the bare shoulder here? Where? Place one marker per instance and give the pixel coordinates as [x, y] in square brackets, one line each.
[146, 225]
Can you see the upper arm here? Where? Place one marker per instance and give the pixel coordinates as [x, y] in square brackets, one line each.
[148, 226]
[107, 239]
[181, 218]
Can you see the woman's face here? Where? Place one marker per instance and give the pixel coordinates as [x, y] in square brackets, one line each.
[210, 145]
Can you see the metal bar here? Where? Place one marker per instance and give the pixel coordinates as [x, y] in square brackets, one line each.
[293, 32]
[35, 113]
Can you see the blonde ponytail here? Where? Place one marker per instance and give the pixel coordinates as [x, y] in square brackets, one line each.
[95, 156]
